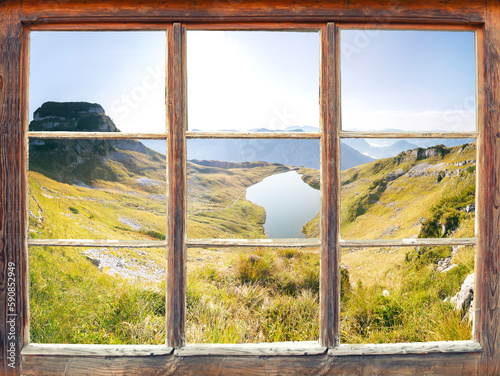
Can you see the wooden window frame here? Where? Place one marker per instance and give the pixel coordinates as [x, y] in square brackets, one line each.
[480, 356]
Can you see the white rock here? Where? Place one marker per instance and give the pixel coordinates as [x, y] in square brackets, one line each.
[466, 293]
[385, 293]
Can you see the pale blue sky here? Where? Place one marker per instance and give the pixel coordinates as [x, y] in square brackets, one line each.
[122, 71]
[411, 80]
[244, 80]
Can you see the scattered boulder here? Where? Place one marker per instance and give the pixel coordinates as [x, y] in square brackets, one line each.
[385, 293]
[470, 208]
[445, 265]
[463, 301]
[93, 260]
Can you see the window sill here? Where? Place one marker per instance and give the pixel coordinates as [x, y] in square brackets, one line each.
[441, 347]
[253, 349]
[41, 349]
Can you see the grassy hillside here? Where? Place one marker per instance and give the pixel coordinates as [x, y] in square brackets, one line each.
[75, 301]
[116, 190]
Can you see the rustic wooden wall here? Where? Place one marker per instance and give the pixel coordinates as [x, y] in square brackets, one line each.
[12, 185]
[250, 10]
[128, 13]
[488, 261]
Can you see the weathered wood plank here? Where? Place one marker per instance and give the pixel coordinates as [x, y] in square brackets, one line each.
[176, 184]
[330, 191]
[13, 263]
[245, 243]
[164, 136]
[269, 243]
[452, 11]
[253, 349]
[486, 327]
[40, 349]
[407, 242]
[98, 135]
[294, 135]
[192, 243]
[420, 364]
[441, 347]
[97, 243]
[352, 134]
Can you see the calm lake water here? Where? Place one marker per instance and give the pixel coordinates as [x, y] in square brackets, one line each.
[289, 203]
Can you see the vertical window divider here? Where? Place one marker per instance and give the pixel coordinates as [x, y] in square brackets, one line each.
[176, 186]
[330, 191]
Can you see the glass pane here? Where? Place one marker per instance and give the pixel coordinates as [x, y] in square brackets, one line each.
[252, 188]
[97, 295]
[253, 81]
[415, 294]
[96, 189]
[118, 74]
[408, 80]
[421, 192]
[253, 295]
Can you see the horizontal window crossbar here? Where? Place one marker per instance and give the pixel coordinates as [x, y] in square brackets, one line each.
[96, 243]
[349, 134]
[270, 243]
[98, 135]
[406, 242]
[271, 134]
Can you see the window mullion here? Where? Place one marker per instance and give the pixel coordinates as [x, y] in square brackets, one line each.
[330, 190]
[176, 183]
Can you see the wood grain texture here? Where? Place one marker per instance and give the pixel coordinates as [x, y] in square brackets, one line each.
[419, 364]
[452, 11]
[96, 350]
[407, 242]
[98, 135]
[97, 243]
[192, 243]
[269, 243]
[254, 349]
[440, 347]
[487, 330]
[350, 134]
[164, 136]
[340, 360]
[293, 135]
[13, 323]
[330, 192]
[176, 185]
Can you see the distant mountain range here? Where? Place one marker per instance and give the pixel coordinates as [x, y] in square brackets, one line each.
[292, 152]
[91, 117]
[390, 148]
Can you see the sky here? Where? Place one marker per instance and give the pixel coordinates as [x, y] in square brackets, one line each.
[122, 71]
[243, 80]
[408, 80]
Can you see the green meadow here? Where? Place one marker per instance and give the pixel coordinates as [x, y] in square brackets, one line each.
[117, 295]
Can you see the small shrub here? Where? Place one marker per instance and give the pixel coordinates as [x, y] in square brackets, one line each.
[423, 256]
[74, 210]
[255, 269]
[154, 234]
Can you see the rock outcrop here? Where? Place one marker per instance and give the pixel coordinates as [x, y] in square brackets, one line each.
[464, 300]
[78, 161]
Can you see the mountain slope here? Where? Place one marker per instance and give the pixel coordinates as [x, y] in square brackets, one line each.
[391, 198]
[304, 153]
